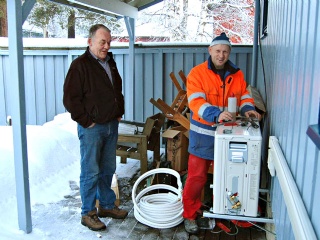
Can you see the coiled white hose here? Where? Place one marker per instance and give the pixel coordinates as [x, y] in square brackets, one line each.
[159, 210]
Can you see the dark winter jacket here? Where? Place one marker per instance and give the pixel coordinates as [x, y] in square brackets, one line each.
[89, 94]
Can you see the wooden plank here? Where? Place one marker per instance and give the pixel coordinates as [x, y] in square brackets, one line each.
[166, 233]
[165, 108]
[213, 234]
[172, 115]
[132, 150]
[243, 234]
[122, 148]
[257, 234]
[123, 159]
[201, 235]
[180, 233]
[151, 234]
[180, 102]
[183, 77]
[160, 120]
[133, 155]
[121, 228]
[148, 127]
[143, 156]
[227, 236]
[175, 81]
[182, 120]
[131, 138]
[158, 105]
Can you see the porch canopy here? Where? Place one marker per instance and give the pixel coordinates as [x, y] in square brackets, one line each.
[128, 9]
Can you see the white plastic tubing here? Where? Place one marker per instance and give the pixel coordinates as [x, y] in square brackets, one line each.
[278, 166]
[159, 210]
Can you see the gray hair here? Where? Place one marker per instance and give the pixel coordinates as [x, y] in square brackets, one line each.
[94, 28]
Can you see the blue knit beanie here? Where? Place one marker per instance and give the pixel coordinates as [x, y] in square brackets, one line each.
[222, 39]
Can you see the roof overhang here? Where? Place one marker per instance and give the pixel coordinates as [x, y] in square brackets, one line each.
[111, 8]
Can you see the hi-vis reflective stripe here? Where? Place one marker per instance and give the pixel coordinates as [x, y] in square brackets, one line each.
[202, 130]
[246, 104]
[202, 108]
[245, 96]
[205, 106]
[196, 95]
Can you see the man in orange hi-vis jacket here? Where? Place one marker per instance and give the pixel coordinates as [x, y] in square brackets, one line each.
[209, 85]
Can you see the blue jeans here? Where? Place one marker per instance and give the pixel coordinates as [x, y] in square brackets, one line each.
[98, 164]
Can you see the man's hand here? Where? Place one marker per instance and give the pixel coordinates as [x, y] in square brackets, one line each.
[92, 125]
[253, 113]
[225, 116]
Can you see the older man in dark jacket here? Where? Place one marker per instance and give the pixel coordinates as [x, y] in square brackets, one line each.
[93, 96]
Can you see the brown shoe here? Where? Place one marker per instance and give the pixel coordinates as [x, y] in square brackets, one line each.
[92, 221]
[113, 213]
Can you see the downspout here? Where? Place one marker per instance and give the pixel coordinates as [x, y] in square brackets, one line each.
[253, 81]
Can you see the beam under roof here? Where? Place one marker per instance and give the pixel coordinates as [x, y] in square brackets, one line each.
[141, 4]
[112, 8]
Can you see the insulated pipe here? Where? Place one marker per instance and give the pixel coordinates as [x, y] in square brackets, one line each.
[299, 218]
[161, 210]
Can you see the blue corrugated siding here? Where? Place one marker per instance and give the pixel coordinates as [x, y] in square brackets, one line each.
[291, 54]
[45, 71]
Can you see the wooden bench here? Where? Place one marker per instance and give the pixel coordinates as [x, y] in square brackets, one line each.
[136, 145]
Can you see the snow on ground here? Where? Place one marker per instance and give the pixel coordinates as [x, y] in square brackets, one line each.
[53, 156]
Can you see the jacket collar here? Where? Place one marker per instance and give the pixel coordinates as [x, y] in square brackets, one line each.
[109, 55]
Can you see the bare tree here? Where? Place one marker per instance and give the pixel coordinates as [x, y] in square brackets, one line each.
[235, 17]
[200, 20]
[3, 19]
[58, 20]
[179, 20]
[71, 24]
[42, 15]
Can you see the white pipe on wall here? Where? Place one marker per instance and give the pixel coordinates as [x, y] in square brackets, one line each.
[278, 167]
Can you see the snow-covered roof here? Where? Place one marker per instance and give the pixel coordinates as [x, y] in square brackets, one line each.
[82, 43]
[55, 43]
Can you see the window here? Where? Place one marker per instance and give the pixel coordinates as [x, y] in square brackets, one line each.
[314, 131]
[264, 18]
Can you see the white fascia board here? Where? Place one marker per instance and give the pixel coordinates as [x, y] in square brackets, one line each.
[112, 6]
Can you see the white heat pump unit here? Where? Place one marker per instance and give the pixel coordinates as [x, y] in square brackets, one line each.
[237, 170]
